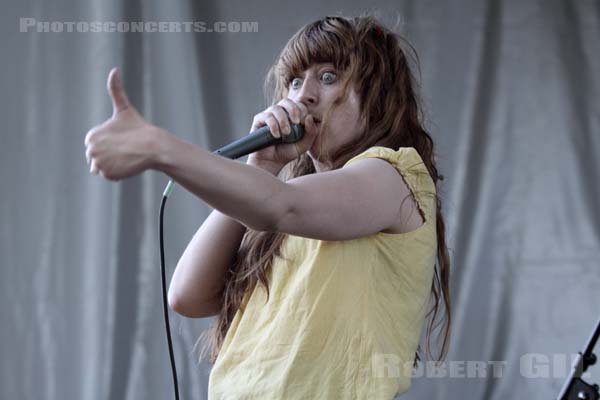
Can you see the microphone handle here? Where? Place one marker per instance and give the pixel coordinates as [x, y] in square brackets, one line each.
[258, 140]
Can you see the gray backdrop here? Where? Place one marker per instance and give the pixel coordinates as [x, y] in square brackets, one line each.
[511, 93]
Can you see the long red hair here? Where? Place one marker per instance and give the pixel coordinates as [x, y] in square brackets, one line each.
[376, 60]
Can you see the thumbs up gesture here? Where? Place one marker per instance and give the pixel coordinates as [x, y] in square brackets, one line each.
[125, 144]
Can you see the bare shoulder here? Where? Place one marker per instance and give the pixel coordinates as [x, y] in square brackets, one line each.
[409, 217]
[360, 199]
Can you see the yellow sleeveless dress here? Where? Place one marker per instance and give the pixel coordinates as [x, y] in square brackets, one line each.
[344, 318]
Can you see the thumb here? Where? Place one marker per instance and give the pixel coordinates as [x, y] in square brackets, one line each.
[311, 129]
[117, 93]
[310, 133]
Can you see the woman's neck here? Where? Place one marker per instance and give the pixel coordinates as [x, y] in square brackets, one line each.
[320, 166]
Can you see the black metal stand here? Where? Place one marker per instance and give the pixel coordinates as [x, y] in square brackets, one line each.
[576, 388]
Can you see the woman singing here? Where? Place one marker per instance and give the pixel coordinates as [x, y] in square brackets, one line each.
[322, 259]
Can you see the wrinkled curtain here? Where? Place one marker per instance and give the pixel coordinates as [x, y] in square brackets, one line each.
[511, 94]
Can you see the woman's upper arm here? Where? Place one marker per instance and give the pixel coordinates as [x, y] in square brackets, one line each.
[360, 199]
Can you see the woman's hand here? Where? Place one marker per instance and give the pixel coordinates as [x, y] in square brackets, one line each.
[124, 145]
[276, 117]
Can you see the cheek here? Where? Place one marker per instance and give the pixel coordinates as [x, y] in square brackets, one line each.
[344, 131]
[350, 122]
[351, 112]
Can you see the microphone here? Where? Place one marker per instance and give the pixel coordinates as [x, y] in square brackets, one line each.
[258, 140]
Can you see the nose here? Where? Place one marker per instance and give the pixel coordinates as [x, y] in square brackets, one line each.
[308, 94]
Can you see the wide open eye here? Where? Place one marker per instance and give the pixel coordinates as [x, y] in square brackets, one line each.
[296, 83]
[328, 77]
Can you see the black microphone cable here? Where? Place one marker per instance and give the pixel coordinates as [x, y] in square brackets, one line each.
[254, 141]
[166, 194]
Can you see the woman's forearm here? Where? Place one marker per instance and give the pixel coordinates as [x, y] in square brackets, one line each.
[200, 276]
[244, 192]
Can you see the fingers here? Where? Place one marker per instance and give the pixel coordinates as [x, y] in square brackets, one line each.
[93, 167]
[117, 93]
[88, 155]
[283, 120]
[310, 128]
[275, 118]
[279, 116]
[266, 118]
[296, 111]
